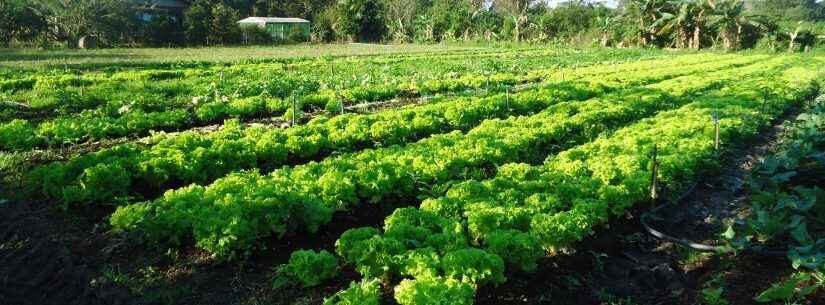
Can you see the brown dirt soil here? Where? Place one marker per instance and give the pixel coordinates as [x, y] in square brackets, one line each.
[43, 261]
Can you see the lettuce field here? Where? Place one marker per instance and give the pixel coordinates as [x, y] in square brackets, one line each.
[442, 177]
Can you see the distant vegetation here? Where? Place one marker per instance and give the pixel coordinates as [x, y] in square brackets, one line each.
[791, 25]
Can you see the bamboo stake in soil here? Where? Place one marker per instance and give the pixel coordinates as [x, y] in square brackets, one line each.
[654, 172]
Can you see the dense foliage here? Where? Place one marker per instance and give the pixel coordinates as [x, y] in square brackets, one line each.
[507, 157]
[191, 157]
[729, 24]
[789, 207]
[555, 204]
[71, 107]
[304, 197]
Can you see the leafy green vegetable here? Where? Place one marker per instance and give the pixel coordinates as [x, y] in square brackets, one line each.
[309, 268]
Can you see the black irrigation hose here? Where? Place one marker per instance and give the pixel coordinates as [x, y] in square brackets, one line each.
[694, 245]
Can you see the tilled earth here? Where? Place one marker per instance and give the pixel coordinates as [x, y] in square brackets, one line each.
[38, 264]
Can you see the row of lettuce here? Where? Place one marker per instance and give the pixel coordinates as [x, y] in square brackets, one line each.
[57, 68]
[788, 207]
[319, 61]
[135, 103]
[230, 215]
[442, 251]
[193, 157]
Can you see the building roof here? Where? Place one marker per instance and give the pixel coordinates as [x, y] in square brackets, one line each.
[273, 20]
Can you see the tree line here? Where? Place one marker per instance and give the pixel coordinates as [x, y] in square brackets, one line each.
[729, 24]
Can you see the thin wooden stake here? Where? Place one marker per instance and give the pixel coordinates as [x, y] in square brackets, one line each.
[487, 85]
[654, 170]
[341, 101]
[507, 99]
[716, 127]
[294, 111]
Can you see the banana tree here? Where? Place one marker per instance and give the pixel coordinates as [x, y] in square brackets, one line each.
[679, 22]
[605, 25]
[699, 21]
[517, 11]
[727, 16]
[648, 12]
[794, 34]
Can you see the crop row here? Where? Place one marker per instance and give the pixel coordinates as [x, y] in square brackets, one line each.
[199, 158]
[443, 250]
[204, 97]
[69, 92]
[318, 61]
[235, 211]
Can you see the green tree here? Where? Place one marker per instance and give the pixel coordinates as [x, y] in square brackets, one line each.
[647, 13]
[223, 27]
[790, 10]
[362, 20]
[400, 16]
[327, 26]
[161, 30]
[68, 20]
[308, 9]
[18, 22]
[605, 25]
[728, 17]
[516, 11]
[797, 30]
[678, 20]
[197, 22]
[446, 19]
[572, 18]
